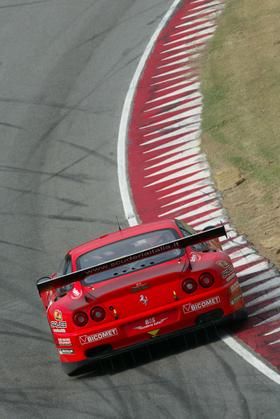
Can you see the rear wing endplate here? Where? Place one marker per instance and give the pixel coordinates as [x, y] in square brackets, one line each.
[46, 283]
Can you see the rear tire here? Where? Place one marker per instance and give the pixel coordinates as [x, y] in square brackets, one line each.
[241, 315]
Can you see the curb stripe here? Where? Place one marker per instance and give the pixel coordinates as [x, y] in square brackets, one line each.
[153, 138]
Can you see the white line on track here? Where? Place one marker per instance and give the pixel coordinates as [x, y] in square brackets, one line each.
[126, 197]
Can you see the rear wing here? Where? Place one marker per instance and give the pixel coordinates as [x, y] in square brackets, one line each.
[46, 283]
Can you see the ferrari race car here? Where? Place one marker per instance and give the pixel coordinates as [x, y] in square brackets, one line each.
[123, 289]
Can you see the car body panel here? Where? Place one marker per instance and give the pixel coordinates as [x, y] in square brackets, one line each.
[143, 304]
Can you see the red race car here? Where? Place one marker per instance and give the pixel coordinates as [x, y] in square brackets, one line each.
[146, 282]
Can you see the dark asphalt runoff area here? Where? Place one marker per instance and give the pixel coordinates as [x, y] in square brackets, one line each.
[65, 67]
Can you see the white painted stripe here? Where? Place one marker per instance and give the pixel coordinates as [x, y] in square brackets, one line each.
[180, 173]
[186, 138]
[210, 14]
[270, 319]
[272, 332]
[258, 278]
[186, 89]
[168, 80]
[200, 27]
[196, 42]
[209, 222]
[189, 144]
[265, 286]
[188, 149]
[210, 5]
[190, 51]
[197, 1]
[192, 146]
[242, 252]
[211, 208]
[204, 174]
[191, 204]
[208, 190]
[176, 70]
[189, 123]
[187, 105]
[275, 342]
[178, 131]
[251, 359]
[199, 34]
[266, 297]
[199, 184]
[188, 114]
[193, 22]
[174, 102]
[124, 188]
[176, 166]
[185, 154]
[270, 307]
[233, 243]
[185, 82]
[190, 58]
[247, 259]
[262, 266]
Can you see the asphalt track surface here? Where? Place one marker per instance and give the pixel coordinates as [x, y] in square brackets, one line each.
[64, 72]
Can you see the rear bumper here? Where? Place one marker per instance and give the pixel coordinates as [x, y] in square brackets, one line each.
[125, 334]
[80, 367]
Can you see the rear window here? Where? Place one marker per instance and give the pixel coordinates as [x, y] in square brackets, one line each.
[127, 247]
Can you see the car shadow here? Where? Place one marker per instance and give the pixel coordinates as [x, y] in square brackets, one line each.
[156, 350]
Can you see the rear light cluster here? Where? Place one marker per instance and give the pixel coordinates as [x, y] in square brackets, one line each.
[97, 314]
[189, 285]
[80, 318]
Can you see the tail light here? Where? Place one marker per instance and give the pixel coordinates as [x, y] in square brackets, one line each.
[80, 318]
[97, 314]
[206, 280]
[189, 285]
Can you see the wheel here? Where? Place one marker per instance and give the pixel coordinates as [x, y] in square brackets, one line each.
[241, 315]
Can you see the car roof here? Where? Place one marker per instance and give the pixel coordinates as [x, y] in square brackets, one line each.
[121, 235]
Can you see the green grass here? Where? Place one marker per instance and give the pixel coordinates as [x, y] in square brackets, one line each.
[241, 89]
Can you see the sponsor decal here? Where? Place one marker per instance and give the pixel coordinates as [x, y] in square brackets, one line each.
[85, 339]
[143, 299]
[232, 276]
[191, 307]
[59, 330]
[234, 287]
[64, 341]
[57, 314]
[228, 272]
[236, 299]
[58, 324]
[76, 293]
[150, 322]
[65, 351]
[154, 333]
[222, 264]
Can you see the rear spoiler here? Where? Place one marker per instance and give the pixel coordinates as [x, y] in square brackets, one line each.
[45, 283]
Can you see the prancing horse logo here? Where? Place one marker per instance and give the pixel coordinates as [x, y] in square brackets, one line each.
[143, 299]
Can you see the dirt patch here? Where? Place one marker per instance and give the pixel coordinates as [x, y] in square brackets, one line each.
[241, 124]
[244, 200]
